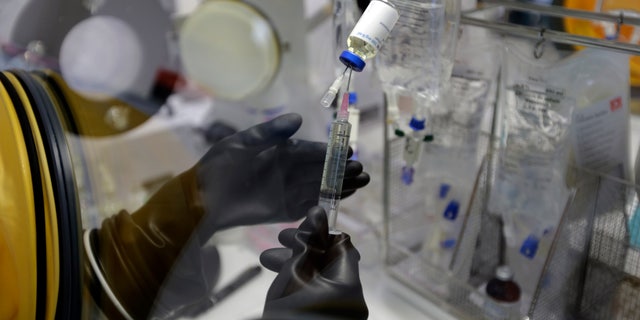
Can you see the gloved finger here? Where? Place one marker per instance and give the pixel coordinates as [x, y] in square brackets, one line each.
[353, 168]
[265, 135]
[349, 153]
[357, 182]
[287, 237]
[316, 226]
[274, 259]
[346, 194]
[218, 131]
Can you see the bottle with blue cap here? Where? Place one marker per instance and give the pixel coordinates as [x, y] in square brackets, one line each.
[364, 41]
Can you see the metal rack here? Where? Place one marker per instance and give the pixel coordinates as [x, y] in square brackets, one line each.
[475, 18]
[591, 271]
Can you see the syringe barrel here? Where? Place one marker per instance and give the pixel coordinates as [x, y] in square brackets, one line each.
[334, 165]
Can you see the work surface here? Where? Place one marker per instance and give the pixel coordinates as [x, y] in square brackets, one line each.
[385, 298]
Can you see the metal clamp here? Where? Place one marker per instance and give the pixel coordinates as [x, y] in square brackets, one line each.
[538, 50]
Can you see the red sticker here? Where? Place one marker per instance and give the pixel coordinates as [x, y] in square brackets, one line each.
[615, 104]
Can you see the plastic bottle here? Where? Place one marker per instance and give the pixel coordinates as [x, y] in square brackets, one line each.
[505, 294]
[367, 36]
[363, 42]
[418, 55]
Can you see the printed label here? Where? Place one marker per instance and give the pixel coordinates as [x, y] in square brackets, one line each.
[376, 23]
[537, 125]
[599, 134]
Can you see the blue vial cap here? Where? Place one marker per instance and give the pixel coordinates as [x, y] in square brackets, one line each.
[444, 190]
[407, 175]
[416, 124]
[352, 60]
[448, 243]
[530, 246]
[451, 211]
[353, 98]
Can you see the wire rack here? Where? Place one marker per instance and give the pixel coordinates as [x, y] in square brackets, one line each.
[591, 271]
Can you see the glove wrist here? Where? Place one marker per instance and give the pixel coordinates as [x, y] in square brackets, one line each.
[137, 251]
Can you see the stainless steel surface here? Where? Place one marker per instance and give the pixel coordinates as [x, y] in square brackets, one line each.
[563, 12]
[473, 18]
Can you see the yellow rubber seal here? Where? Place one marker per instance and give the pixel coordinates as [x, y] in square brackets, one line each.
[17, 212]
[51, 222]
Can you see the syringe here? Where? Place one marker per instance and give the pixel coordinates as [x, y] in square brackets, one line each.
[335, 163]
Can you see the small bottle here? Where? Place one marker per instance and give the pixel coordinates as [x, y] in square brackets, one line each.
[363, 42]
[505, 294]
[367, 36]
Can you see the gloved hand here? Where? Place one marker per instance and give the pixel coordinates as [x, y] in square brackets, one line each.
[261, 176]
[318, 274]
[254, 176]
[217, 131]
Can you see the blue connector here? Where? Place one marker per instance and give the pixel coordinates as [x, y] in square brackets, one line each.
[451, 212]
[448, 243]
[444, 190]
[353, 98]
[529, 247]
[407, 175]
[417, 125]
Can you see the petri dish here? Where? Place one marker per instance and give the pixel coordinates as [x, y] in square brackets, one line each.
[230, 49]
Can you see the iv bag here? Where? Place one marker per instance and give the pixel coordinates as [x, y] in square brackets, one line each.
[536, 102]
[418, 54]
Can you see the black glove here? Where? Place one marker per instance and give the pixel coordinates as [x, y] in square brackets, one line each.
[318, 274]
[254, 176]
[217, 131]
[261, 176]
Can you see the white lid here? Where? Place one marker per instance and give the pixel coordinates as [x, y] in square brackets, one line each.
[504, 273]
